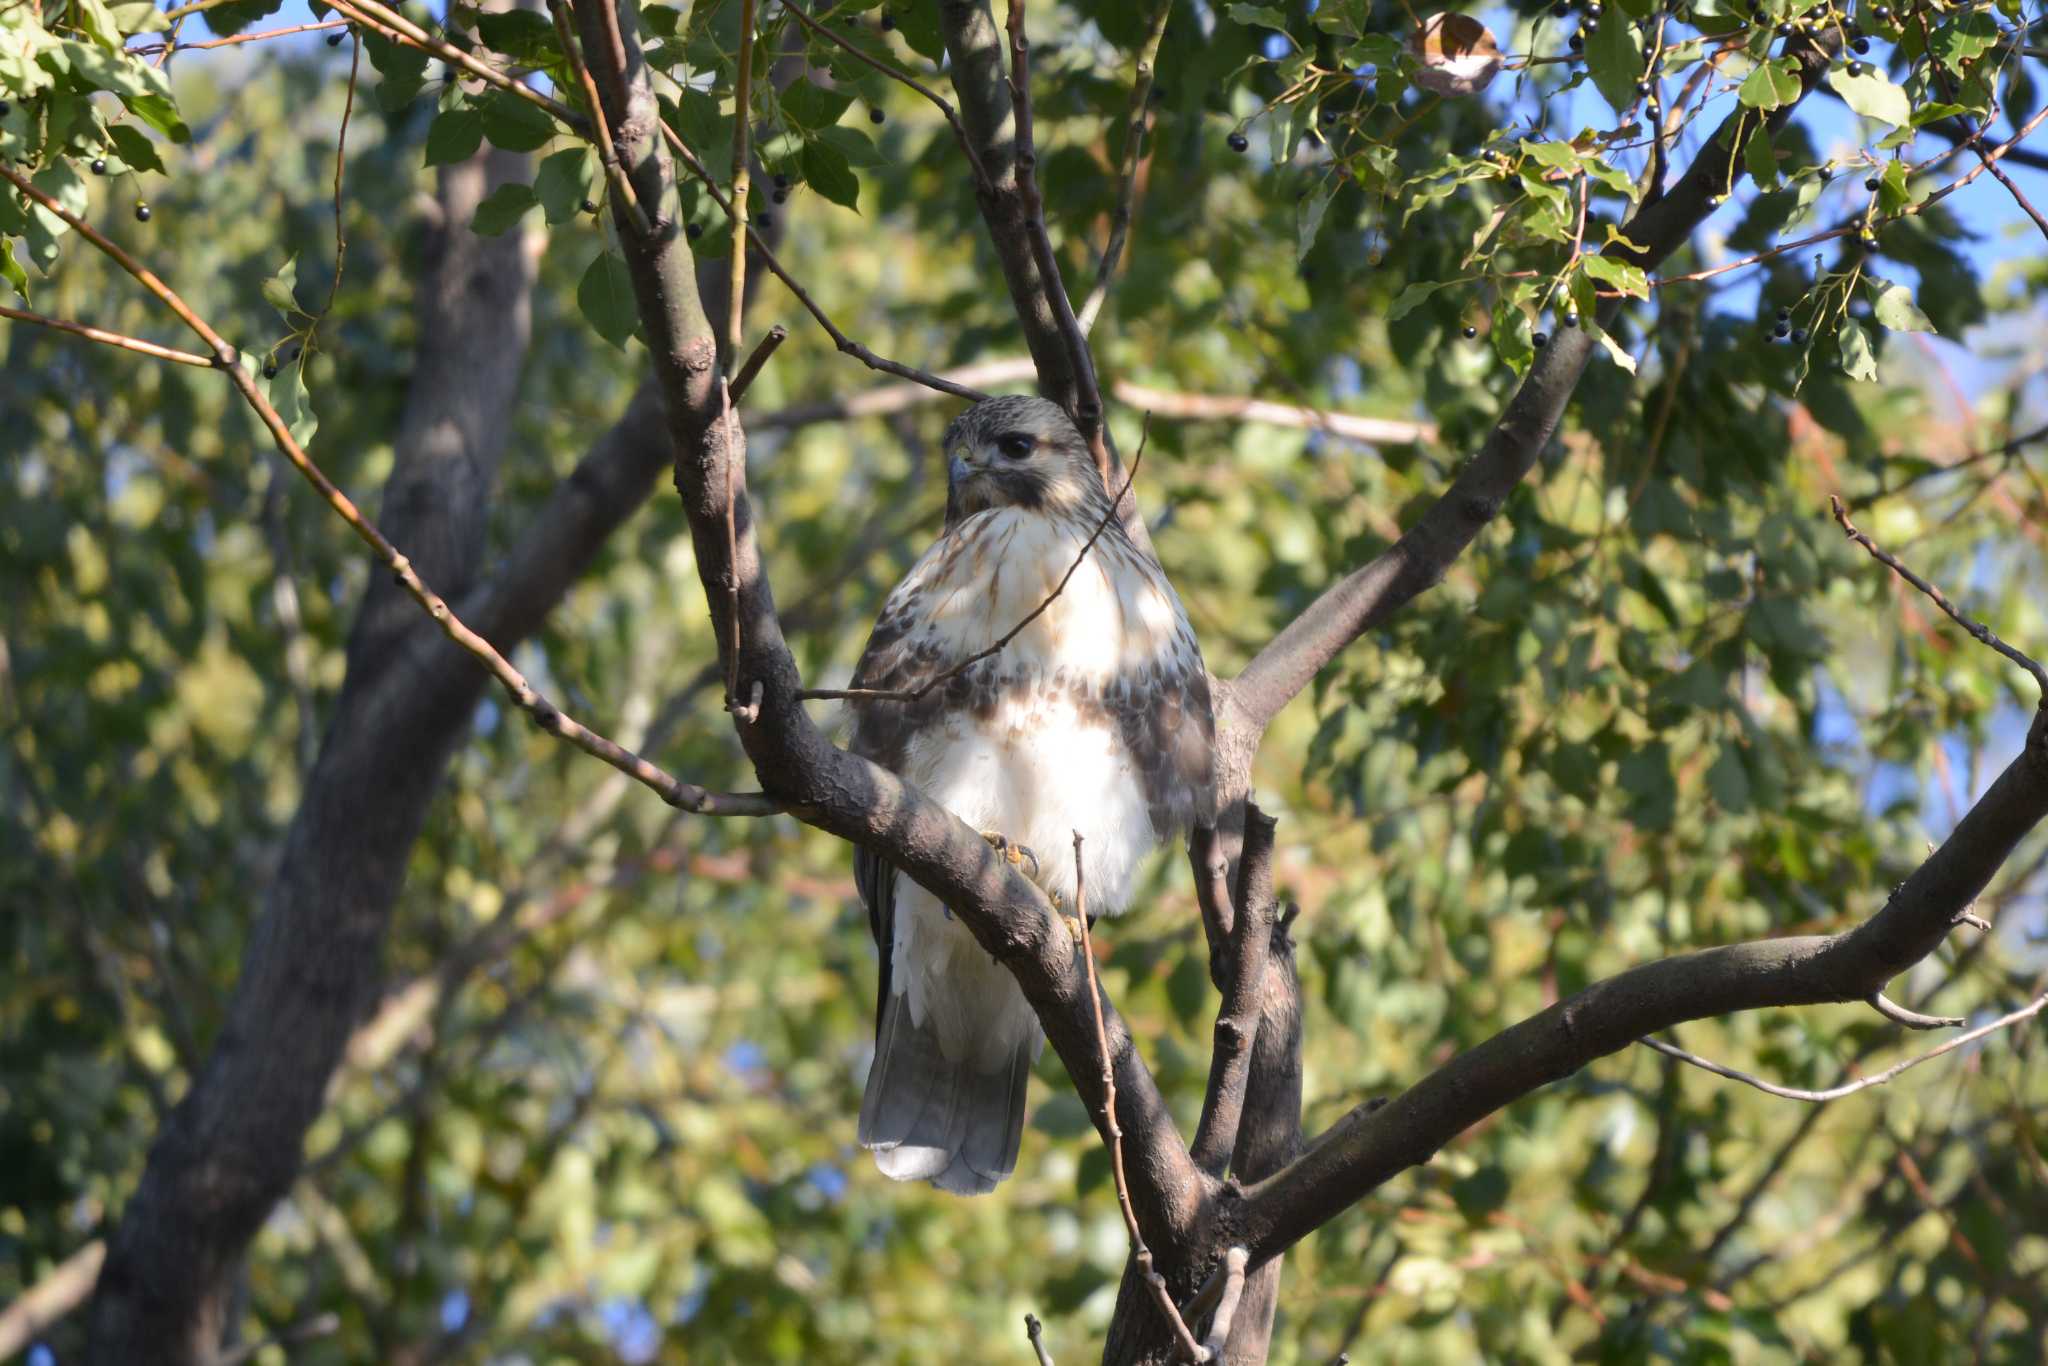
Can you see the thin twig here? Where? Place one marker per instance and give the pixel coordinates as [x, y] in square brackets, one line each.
[607, 151]
[1141, 1256]
[1135, 125]
[1035, 1330]
[348, 106]
[1087, 394]
[758, 358]
[1850, 1088]
[152, 49]
[1231, 1272]
[1911, 1019]
[107, 338]
[550, 718]
[917, 693]
[846, 345]
[897, 73]
[742, 126]
[732, 553]
[1976, 629]
[399, 29]
[1378, 431]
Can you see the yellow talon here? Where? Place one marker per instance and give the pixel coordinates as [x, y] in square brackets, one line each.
[1017, 854]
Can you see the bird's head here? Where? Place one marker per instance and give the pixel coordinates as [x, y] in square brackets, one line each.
[1018, 451]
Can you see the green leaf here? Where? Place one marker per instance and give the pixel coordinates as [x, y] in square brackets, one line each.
[1261, 16]
[825, 170]
[1308, 216]
[277, 290]
[813, 107]
[563, 183]
[502, 208]
[1618, 274]
[227, 20]
[1965, 39]
[159, 113]
[1772, 84]
[1411, 298]
[11, 271]
[1728, 780]
[605, 296]
[1614, 55]
[404, 72]
[94, 20]
[133, 146]
[1857, 360]
[854, 144]
[1895, 309]
[522, 34]
[1759, 159]
[1872, 94]
[139, 16]
[288, 395]
[454, 135]
[516, 124]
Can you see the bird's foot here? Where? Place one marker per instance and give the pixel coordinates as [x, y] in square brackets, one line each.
[1018, 854]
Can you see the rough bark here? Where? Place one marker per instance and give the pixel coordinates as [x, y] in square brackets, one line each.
[231, 1148]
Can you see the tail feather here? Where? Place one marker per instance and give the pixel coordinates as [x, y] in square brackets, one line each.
[931, 1119]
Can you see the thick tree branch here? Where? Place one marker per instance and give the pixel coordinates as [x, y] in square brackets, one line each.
[821, 784]
[1372, 593]
[1248, 940]
[1369, 1145]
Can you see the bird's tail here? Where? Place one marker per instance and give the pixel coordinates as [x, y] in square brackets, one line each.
[930, 1118]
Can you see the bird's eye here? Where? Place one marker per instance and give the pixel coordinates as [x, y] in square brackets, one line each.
[1016, 445]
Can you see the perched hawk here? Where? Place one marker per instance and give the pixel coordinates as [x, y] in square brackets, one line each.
[1095, 718]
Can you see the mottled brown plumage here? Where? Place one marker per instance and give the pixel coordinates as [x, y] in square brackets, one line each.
[1095, 718]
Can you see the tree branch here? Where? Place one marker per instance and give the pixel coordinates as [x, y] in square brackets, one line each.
[1248, 940]
[1850, 1088]
[1369, 1145]
[1372, 593]
[819, 783]
[1135, 126]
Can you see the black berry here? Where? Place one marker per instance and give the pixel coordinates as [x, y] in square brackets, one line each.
[1540, 340]
[1799, 336]
[1571, 319]
[1855, 68]
[1238, 142]
[1784, 315]
[781, 181]
[1329, 117]
[5, 109]
[1578, 42]
[876, 116]
[1782, 330]
[1642, 87]
[141, 212]
[1871, 184]
[766, 220]
[694, 231]
[99, 165]
[780, 196]
[270, 369]
[1868, 241]
[1784, 30]
[1470, 332]
[1861, 44]
[334, 40]
[1827, 173]
[589, 206]
[1881, 13]
[888, 21]
[1593, 11]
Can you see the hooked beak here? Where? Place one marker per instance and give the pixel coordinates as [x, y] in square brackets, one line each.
[957, 467]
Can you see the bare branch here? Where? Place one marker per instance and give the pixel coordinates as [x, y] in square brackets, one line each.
[51, 1298]
[845, 344]
[394, 26]
[1370, 594]
[549, 717]
[757, 358]
[742, 126]
[1371, 1144]
[1850, 1088]
[106, 338]
[1911, 1019]
[1232, 1274]
[896, 73]
[1237, 1015]
[1378, 431]
[607, 153]
[1035, 1331]
[1135, 127]
[1141, 1255]
[1977, 629]
[913, 694]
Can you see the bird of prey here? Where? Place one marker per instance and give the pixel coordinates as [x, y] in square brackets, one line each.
[1095, 718]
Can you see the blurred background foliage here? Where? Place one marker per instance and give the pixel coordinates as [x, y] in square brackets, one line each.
[605, 1108]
